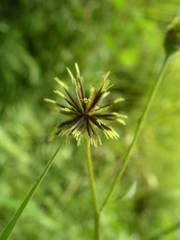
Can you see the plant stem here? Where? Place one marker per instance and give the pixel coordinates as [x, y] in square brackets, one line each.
[136, 135]
[93, 192]
[10, 226]
[164, 232]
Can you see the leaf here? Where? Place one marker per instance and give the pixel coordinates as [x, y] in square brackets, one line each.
[131, 192]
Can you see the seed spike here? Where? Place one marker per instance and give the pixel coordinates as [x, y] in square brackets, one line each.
[120, 99]
[121, 121]
[120, 115]
[106, 76]
[105, 94]
[106, 82]
[49, 100]
[79, 101]
[71, 76]
[59, 93]
[62, 84]
[77, 70]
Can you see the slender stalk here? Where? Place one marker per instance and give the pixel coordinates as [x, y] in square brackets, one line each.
[10, 226]
[93, 193]
[164, 232]
[136, 135]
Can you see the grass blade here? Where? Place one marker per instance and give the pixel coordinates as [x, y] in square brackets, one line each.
[10, 226]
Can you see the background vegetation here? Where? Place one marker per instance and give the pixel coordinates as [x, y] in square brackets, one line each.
[38, 39]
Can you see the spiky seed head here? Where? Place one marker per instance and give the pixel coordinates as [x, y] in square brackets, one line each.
[86, 114]
[172, 38]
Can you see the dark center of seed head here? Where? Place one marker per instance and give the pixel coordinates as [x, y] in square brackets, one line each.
[85, 115]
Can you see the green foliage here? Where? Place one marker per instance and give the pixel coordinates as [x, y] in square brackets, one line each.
[38, 40]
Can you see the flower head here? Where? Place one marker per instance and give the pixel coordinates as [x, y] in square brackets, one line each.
[85, 113]
[172, 39]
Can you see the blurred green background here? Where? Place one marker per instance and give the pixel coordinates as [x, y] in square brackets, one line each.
[38, 39]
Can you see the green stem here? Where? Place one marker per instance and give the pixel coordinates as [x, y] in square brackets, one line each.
[10, 226]
[93, 193]
[136, 135]
[164, 232]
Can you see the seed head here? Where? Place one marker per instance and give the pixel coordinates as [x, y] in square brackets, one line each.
[172, 39]
[86, 114]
